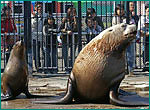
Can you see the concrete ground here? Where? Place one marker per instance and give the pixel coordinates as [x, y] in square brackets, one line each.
[55, 84]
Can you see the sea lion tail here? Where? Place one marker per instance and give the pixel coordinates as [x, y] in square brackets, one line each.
[141, 101]
[64, 100]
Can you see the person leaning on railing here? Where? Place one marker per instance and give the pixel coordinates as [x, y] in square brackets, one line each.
[67, 27]
[92, 29]
[50, 45]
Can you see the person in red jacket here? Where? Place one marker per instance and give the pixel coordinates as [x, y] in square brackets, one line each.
[8, 27]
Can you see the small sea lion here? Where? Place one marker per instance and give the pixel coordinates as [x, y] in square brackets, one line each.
[14, 79]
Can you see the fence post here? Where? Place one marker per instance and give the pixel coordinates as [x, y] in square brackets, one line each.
[79, 26]
[27, 24]
[128, 12]
[27, 32]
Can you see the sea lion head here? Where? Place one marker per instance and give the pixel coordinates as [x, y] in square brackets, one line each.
[129, 31]
[117, 37]
[18, 49]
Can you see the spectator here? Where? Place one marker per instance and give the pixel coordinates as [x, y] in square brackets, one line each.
[68, 26]
[92, 29]
[50, 49]
[130, 52]
[8, 27]
[119, 15]
[97, 27]
[91, 13]
[89, 29]
[143, 31]
[37, 22]
[132, 12]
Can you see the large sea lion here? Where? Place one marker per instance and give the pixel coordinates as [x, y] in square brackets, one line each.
[99, 69]
[14, 79]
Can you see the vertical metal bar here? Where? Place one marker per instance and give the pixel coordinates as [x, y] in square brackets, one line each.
[42, 41]
[37, 42]
[2, 45]
[111, 12]
[120, 11]
[86, 7]
[79, 26]
[57, 19]
[56, 46]
[62, 11]
[91, 5]
[127, 10]
[19, 25]
[73, 49]
[4, 40]
[144, 39]
[127, 21]
[135, 49]
[106, 12]
[53, 7]
[101, 8]
[86, 12]
[140, 53]
[96, 8]
[51, 47]
[27, 25]
[68, 45]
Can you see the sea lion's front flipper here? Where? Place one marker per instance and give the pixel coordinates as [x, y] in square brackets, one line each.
[127, 100]
[7, 95]
[68, 96]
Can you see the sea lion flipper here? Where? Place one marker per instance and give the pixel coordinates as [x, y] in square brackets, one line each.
[28, 94]
[138, 101]
[7, 95]
[67, 98]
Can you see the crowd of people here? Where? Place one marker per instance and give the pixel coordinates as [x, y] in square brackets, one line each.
[45, 24]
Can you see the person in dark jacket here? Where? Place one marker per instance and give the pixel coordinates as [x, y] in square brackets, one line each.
[132, 12]
[50, 43]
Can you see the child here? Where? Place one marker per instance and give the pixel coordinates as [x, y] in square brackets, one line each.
[119, 15]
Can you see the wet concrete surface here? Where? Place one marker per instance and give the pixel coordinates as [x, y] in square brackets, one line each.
[55, 84]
